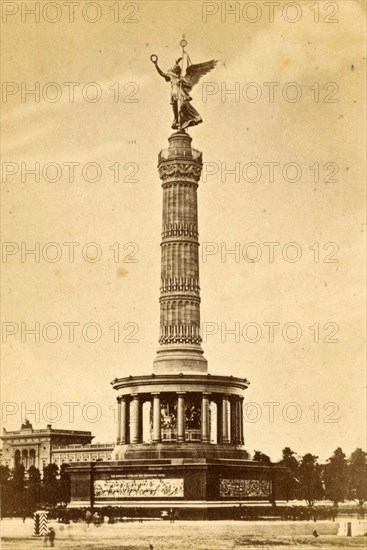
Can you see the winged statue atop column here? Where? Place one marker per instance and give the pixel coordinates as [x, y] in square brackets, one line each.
[182, 82]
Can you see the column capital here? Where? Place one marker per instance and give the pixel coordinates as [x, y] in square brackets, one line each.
[221, 396]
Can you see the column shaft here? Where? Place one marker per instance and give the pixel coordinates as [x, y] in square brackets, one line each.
[181, 420]
[233, 420]
[135, 435]
[123, 421]
[238, 421]
[180, 341]
[156, 418]
[205, 434]
[118, 420]
[240, 410]
[225, 434]
[219, 421]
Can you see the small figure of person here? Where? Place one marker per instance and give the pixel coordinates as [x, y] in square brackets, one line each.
[66, 517]
[171, 516]
[96, 519]
[334, 512]
[51, 536]
[314, 513]
[315, 534]
[88, 517]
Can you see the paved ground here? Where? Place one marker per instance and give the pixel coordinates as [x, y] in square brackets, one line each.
[181, 536]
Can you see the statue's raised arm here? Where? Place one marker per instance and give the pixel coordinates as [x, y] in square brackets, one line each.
[154, 59]
[185, 114]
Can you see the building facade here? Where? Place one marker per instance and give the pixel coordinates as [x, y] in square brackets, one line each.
[96, 452]
[39, 447]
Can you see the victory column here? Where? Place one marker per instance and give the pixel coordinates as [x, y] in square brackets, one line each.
[180, 440]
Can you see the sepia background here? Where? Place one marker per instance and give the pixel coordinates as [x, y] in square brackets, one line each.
[328, 377]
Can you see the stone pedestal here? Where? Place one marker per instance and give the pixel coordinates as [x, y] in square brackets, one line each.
[196, 488]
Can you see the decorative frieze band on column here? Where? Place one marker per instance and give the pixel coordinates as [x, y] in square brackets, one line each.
[156, 418]
[175, 172]
[181, 420]
[180, 334]
[205, 429]
[225, 434]
[179, 284]
[179, 229]
[135, 412]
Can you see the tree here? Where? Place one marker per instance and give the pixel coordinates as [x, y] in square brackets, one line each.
[18, 477]
[336, 477]
[7, 497]
[50, 484]
[4, 475]
[291, 478]
[64, 484]
[18, 497]
[357, 478]
[34, 475]
[261, 457]
[4, 481]
[310, 479]
[50, 474]
[34, 488]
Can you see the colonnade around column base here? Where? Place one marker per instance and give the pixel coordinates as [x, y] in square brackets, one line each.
[219, 420]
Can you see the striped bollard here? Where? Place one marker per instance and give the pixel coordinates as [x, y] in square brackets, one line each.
[36, 528]
[40, 523]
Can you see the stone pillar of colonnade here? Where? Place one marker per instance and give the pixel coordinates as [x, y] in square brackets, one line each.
[225, 431]
[156, 418]
[135, 420]
[181, 420]
[205, 429]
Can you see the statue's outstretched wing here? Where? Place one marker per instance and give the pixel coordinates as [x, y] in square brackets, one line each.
[195, 72]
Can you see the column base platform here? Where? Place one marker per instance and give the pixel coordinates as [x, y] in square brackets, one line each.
[179, 451]
[190, 487]
[180, 359]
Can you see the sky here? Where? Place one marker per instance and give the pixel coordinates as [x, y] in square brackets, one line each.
[284, 110]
